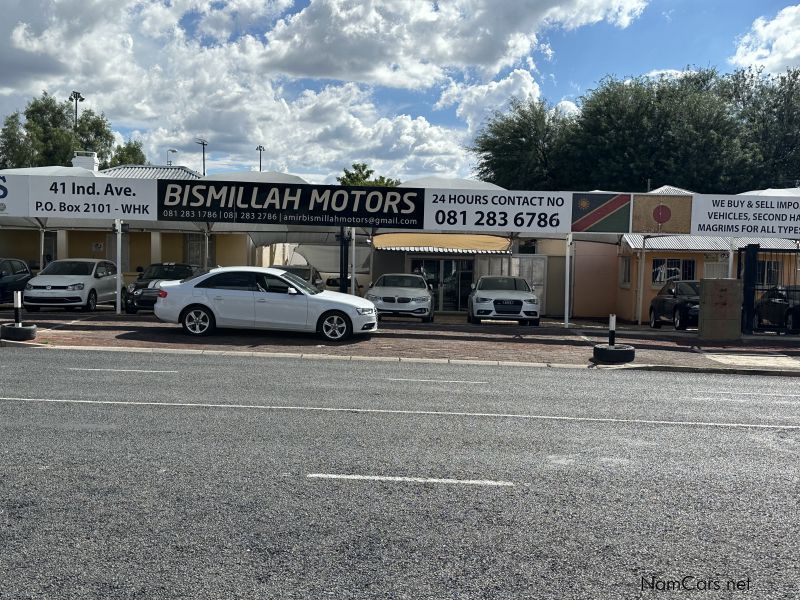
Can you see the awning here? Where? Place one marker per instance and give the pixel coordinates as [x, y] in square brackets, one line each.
[442, 243]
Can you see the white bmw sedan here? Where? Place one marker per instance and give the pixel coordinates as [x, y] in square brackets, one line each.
[503, 298]
[402, 295]
[261, 298]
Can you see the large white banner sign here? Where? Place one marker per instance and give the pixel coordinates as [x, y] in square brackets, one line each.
[93, 198]
[756, 216]
[478, 211]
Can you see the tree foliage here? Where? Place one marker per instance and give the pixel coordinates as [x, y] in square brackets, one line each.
[49, 134]
[701, 131]
[362, 175]
[129, 153]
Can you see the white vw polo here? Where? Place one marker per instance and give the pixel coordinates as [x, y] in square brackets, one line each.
[262, 298]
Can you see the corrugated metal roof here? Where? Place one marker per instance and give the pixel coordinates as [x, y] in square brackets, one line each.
[670, 190]
[700, 243]
[437, 250]
[151, 172]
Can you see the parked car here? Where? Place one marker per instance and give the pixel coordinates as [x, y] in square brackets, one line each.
[678, 302]
[332, 283]
[305, 272]
[778, 307]
[504, 298]
[262, 298]
[143, 293]
[14, 275]
[402, 295]
[73, 283]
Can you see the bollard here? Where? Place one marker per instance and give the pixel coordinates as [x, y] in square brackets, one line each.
[613, 353]
[612, 329]
[17, 309]
[17, 331]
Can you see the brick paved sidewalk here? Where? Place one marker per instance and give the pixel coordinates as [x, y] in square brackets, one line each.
[452, 339]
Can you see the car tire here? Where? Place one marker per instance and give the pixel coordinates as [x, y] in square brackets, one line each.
[654, 323]
[334, 326]
[791, 325]
[32, 308]
[677, 320]
[757, 324]
[91, 302]
[476, 321]
[534, 322]
[10, 332]
[427, 319]
[617, 354]
[198, 321]
[131, 310]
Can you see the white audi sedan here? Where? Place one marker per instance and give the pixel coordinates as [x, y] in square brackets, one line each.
[262, 298]
[402, 295]
[503, 298]
[72, 283]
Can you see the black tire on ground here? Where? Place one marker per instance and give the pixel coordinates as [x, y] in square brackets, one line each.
[131, 310]
[8, 331]
[534, 322]
[427, 319]
[654, 323]
[197, 320]
[32, 308]
[334, 326]
[791, 323]
[476, 321]
[469, 317]
[677, 319]
[617, 354]
[91, 302]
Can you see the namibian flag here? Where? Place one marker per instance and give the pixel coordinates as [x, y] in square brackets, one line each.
[601, 213]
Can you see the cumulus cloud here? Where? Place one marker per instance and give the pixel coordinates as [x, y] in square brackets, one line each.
[773, 44]
[304, 82]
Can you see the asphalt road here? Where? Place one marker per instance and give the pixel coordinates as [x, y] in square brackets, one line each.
[166, 475]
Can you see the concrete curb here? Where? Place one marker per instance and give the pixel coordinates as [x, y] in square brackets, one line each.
[420, 360]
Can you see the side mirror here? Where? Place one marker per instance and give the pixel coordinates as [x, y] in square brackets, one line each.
[3, 273]
[291, 291]
[430, 286]
[370, 285]
[318, 282]
[97, 275]
[472, 286]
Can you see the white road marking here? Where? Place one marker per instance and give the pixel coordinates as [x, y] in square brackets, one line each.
[435, 380]
[434, 413]
[410, 479]
[748, 394]
[120, 370]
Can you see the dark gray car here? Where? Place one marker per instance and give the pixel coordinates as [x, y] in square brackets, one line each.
[14, 274]
[678, 302]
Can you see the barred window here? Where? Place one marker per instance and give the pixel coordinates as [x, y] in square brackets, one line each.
[670, 269]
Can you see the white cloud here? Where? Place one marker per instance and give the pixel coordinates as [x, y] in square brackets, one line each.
[474, 103]
[774, 44]
[668, 73]
[568, 107]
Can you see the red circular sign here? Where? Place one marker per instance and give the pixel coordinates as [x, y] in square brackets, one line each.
[661, 214]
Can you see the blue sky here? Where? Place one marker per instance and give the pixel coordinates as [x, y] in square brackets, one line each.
[403, 86]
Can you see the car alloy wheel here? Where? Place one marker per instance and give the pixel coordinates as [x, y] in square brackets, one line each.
[335, 327]
[91, 302]
[654, 324]
[677, 320]
[790, 328]
[198, 321]
[756, 321]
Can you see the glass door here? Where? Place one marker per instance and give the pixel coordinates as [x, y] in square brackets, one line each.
[450, 279]
[429, 269]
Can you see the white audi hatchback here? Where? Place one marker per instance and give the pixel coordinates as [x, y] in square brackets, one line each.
[261, 298]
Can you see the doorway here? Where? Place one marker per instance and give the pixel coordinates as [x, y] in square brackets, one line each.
[449, 278]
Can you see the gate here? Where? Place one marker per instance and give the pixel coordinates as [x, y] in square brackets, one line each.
[771, 287]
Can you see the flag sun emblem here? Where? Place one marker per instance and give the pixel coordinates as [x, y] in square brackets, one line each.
[584, 204]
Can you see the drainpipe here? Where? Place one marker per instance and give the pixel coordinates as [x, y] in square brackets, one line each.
[640, 294]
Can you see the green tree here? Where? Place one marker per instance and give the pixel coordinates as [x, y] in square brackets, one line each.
[94, 135]
[15, 146]
[49, 126]
[129, 153]
[362, 175]
[527, 148]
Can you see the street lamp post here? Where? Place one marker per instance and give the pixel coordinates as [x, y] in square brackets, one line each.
[76, 97]
[203, 142]
[170, 151]
[260, 149]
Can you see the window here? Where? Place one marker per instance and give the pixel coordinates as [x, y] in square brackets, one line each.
[111, 269]
[666, 269]
[273, 285]
[101, 271]
[5, 268]
[768, 272]
[625, 270]
[234, 280]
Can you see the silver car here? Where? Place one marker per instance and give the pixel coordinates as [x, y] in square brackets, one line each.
[402, 295]
[503, 298]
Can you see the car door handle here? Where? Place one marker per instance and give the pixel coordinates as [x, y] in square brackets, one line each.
[261, 300]
[217, 297]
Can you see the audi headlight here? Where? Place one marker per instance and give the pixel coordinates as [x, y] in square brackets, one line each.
[531, 300]
[421, 299]
[365, 311]
[482, 300]
[75, 286]
[372, 297]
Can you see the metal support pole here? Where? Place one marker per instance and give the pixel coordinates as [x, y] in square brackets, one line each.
[41, 249]
[342, 260]
[731, 250]
[612, 329]
[17, 308]
[640, 294]
[118, 227]
[354, 284]
[206, 252]
[567, 270]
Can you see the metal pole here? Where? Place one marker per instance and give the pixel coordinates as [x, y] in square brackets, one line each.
[342, 261]
[118, 227]
[41, 249]
[17, 308]
[206, 252]
[567, 280]
[731, 250]
[353, 285]
[612, 329]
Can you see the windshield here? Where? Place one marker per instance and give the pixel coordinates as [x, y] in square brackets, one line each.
[167, 272]
[401, 281]
[68, 267]
[503, 283]
[303, 272]
[300, 284]
[689, 288]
